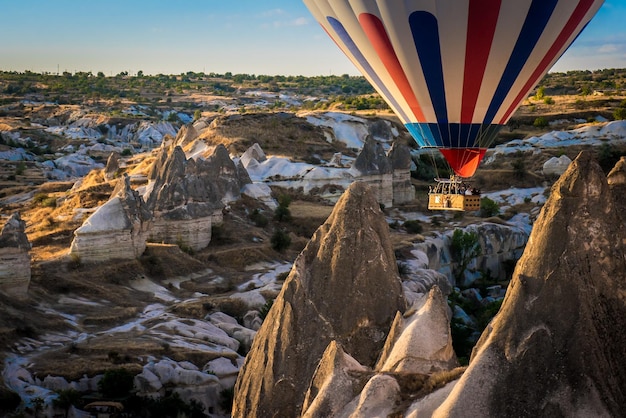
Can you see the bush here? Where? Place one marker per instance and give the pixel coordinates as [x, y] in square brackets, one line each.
[620, 113]
[540, 122]
[265, 309]
[282, 212]
[413, 227]
[488, 208]
[259, 219]
[280, 240]
[116, 383]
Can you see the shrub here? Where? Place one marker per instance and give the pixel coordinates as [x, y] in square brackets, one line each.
[265, 309]
[413, 226]
[540, 122]
[620, 113]
[259, 219]
[116, 383]
[280, 240]
[548, 100]
[488, 208]
[282, 212]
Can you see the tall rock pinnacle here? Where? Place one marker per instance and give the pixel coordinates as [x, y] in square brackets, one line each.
[558, 346]
[344, 286]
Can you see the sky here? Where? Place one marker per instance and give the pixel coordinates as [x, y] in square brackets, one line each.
[271, 37]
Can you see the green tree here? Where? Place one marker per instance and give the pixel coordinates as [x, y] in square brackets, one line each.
[488, 207]
[67, 399]
[197, 115]
[464, 247]
[282, 212]
[280, 240]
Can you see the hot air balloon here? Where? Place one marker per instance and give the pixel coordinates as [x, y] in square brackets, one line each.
[454, 71]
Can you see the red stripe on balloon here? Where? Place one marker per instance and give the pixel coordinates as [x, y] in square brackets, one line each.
[377, 35]
[481, 27]
[577, 16]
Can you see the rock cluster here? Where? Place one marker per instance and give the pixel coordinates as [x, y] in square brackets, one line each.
[14, 258]
[187, 196]
[389, 175]
[116, 230]
[500, 244]
[376, 170]
[400, 156]
[557, 346]
[343, 287]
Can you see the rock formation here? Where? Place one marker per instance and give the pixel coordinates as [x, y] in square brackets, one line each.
[557, 346]
[400, 156]
[344, 286]
[187, 195]
[556, 166]
[112, 166]
[617, 180]
[14, 258]
[416, 343]
[499, 244]
[375, 169]
[116, 230]
[337, 380]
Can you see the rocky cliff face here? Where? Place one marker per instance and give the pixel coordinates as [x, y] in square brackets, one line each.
[375, 169]
[14, 258]
[117, 230]
[344, 286]
[187, 195]
[499, 244]
[557, 346]
[400, 157]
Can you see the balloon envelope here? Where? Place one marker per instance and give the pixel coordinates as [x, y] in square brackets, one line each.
[454, 71]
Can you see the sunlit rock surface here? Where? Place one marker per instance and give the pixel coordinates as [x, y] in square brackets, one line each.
[556, 348]
[14, 258]
[116, 230]
[344, 286]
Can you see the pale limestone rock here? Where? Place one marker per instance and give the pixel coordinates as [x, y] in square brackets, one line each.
[254, 153]
[420, 342]
[499, 243]
[556, 166]
[194, 234]
[116, 230]
[378, 399]
[337, 380]
[112, 166]
[400, 156]
[187, 196]
[15, 272]
[374, 168]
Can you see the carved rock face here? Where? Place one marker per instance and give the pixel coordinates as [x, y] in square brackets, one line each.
[344, 286]
[557, 346]
[14, 258]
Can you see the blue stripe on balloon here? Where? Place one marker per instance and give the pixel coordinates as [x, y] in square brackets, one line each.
[453, 135]
[426, 38]
[345, 37]
[534, 25]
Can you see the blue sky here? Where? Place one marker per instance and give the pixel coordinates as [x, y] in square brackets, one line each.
[241, 36]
